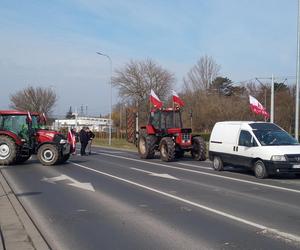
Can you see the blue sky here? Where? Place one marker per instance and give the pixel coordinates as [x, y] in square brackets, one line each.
[54, 43]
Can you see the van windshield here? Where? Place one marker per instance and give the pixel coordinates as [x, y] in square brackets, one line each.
[274, 137]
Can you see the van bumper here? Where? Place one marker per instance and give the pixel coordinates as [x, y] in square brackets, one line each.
[282, 167]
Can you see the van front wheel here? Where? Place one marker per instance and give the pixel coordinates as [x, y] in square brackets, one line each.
[260, 170]
[218, 163]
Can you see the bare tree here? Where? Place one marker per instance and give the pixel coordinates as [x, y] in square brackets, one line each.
[33, 99]
[202, 74]
[137, 78]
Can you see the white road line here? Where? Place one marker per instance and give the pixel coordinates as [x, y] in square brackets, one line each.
[167, 176]
[194, 166]
[204, 173]
[265, 229]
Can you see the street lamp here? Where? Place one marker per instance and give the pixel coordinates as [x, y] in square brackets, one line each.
[298, 76]
[110, 111]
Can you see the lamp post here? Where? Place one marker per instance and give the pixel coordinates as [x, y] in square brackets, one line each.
[110, 81]
[298, 76]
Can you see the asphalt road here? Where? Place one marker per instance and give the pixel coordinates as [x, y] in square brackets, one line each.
[114, 200]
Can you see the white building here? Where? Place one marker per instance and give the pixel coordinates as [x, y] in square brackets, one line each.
[96, 124]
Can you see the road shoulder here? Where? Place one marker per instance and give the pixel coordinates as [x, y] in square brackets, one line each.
[17, 229]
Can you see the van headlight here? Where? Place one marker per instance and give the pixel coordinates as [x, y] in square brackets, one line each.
[278, 158]
[63, 141]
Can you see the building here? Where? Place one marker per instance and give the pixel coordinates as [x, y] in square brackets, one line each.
[96, 124]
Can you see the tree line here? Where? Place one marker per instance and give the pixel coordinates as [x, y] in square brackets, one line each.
[209, 96]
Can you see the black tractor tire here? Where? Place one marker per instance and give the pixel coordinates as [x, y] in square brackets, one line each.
[48, 154]
[199, 149]
[146, 146]
[64, 158]
[260, 170]
[8, 150]
[218, 163]
[22, 159]
[167, 149]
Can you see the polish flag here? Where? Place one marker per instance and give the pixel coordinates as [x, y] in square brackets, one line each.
[177, 99]
[71, 140]
[44, 117]
[155, 100]
[257, 108]
[29, 116]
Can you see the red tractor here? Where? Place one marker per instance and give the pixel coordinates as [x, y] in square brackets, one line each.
[21, 135]
[164, 133]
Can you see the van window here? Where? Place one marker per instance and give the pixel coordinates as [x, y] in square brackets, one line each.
[245, 139]
[274, 137]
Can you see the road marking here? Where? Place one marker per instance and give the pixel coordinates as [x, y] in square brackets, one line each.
[156, 174]
[204, 173]
[264, 229]
[83, 185]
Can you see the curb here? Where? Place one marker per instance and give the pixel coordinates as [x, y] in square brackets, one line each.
[17, 229]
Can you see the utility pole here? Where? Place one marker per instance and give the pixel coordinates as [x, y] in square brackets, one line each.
[298, 76]
[272, 100]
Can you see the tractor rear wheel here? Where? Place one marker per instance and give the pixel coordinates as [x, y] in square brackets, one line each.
[146, 146]
[8, 151]
[48, 154]
[199, 149]
[167, 149]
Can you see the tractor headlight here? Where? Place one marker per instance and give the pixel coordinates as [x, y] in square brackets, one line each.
[63, 141]
[278, 158]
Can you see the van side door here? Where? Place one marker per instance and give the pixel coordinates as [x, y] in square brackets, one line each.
[245, 148]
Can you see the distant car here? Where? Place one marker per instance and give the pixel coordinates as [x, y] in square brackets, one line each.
[261, 146]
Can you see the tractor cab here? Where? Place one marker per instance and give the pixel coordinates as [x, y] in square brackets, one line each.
[165, 119]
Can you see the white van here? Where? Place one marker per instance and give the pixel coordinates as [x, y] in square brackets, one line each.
[261, 146]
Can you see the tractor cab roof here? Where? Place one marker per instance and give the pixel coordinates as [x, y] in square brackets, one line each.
[16, 112]
[166, 110]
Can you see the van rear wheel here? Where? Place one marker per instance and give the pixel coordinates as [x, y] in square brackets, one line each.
[218, 163]
[260, 170]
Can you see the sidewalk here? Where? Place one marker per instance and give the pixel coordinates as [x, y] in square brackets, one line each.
[17, 231]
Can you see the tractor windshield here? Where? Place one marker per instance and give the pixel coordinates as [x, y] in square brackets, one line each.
[36, 122]
[16, 124]
[166, 119]
[171, 119]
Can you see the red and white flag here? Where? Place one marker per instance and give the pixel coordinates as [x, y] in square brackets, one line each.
[29, 116]
[44, 117]
[257, 108]
[71, 140]
[177, 99]
[155, 100]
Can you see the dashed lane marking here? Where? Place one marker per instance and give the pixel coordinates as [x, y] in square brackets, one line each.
[204, 173]
[264, 229]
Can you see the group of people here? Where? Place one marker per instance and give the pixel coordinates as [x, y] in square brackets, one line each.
[86, 137]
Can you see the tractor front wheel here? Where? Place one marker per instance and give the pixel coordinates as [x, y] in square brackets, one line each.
[48, 154]
[8, 151]
[146, 146]
[167, 149]
[199, 149]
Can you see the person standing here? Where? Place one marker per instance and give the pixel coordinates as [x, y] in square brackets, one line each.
[83, 140]
[90, 136]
